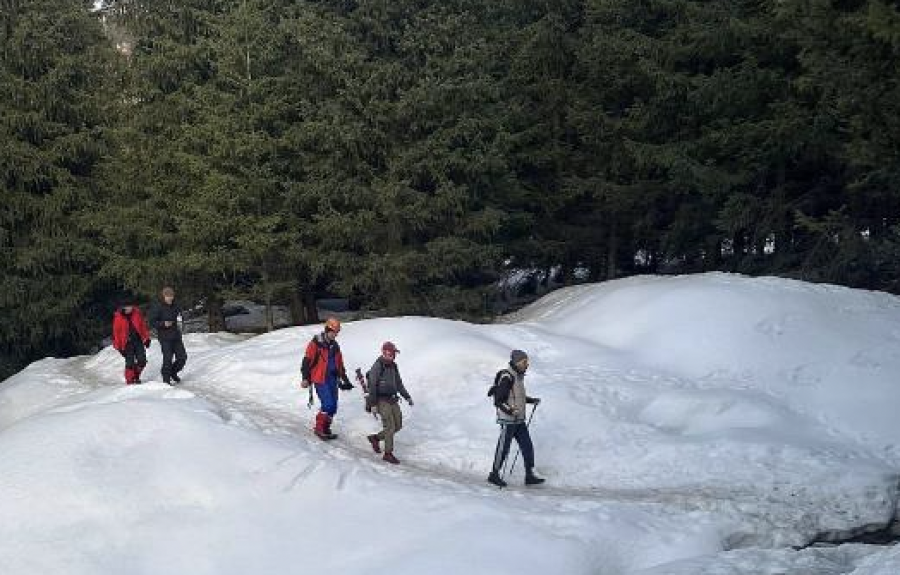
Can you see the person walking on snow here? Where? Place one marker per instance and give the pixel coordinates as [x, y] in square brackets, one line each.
[323, 366]
[385, 387]
[165, 317]
[130, 338]
[510, 400]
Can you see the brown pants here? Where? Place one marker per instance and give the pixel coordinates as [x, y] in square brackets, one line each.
[391, 420]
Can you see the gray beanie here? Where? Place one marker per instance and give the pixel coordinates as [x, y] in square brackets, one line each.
[516, 356]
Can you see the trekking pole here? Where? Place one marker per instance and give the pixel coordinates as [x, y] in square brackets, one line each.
[364, 387]
[527, 424]
[506, 461]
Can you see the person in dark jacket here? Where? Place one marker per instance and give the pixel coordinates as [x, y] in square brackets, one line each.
[130, 338]
[165, 318]
[385, 387]
[323, 367]
[510, 400]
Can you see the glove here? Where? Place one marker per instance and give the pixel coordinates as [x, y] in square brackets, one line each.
[410, 401]
[147, 344]
[534, 400]
[507, 409]
[304, 383]
[345, 386]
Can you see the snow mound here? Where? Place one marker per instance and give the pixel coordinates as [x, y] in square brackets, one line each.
[693, 424]
[827, 351]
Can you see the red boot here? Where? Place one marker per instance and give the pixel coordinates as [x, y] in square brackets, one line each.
[129, 375]
[138, 369]
[322, 423]
[373, 439]
[389, 457]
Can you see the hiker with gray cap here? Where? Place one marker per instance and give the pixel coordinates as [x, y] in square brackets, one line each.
[166, 319]
[510, 400]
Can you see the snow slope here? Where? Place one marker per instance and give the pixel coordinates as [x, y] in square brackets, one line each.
[697, 424]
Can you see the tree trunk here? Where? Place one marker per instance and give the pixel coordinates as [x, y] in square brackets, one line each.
[214, 313]
[295, 306]
[267, 295]
[270, 312]
[612, 251]
[713, 257]
[303, 307]
[309, 304]
[739, 250]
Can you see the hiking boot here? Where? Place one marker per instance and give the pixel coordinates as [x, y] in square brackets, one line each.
[327, 425]
[167, 381]
[532, 479]
[373, 439]
[389, 457]
[496, 479]
[175, 378]
[319, 428]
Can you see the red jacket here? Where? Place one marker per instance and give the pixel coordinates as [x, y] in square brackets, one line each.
[315, 361]
[121, 328]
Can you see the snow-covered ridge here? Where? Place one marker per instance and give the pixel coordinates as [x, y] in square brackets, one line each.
[681, 417]
[826, 350]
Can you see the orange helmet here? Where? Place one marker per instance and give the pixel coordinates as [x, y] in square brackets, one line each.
[333, 324]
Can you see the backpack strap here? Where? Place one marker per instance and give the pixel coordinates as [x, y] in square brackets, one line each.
[315, 359]
[373, 385]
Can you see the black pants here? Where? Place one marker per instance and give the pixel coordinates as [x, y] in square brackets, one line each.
[519, 431]
[172, 347]
[135, 354]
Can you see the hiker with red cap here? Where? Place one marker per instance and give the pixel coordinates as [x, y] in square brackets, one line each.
[323, 367]
[385, 387]
[130, 338]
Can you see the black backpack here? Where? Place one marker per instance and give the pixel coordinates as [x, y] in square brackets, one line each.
[500, 374]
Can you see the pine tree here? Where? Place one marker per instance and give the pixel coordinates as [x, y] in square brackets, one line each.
[149, 232]
[848, 54]
[430, 97]
[55, 68]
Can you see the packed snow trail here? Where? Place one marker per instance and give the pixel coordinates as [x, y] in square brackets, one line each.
[771, 514]
[269, 419]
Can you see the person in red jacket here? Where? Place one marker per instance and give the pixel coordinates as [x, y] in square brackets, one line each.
[323, 366]
[130, 338]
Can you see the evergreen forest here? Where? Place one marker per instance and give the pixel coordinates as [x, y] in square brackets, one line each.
[410, 154]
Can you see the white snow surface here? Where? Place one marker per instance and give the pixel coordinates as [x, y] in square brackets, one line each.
[694, 424]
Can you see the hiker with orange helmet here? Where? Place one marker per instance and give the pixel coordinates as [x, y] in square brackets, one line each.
[323, 367]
